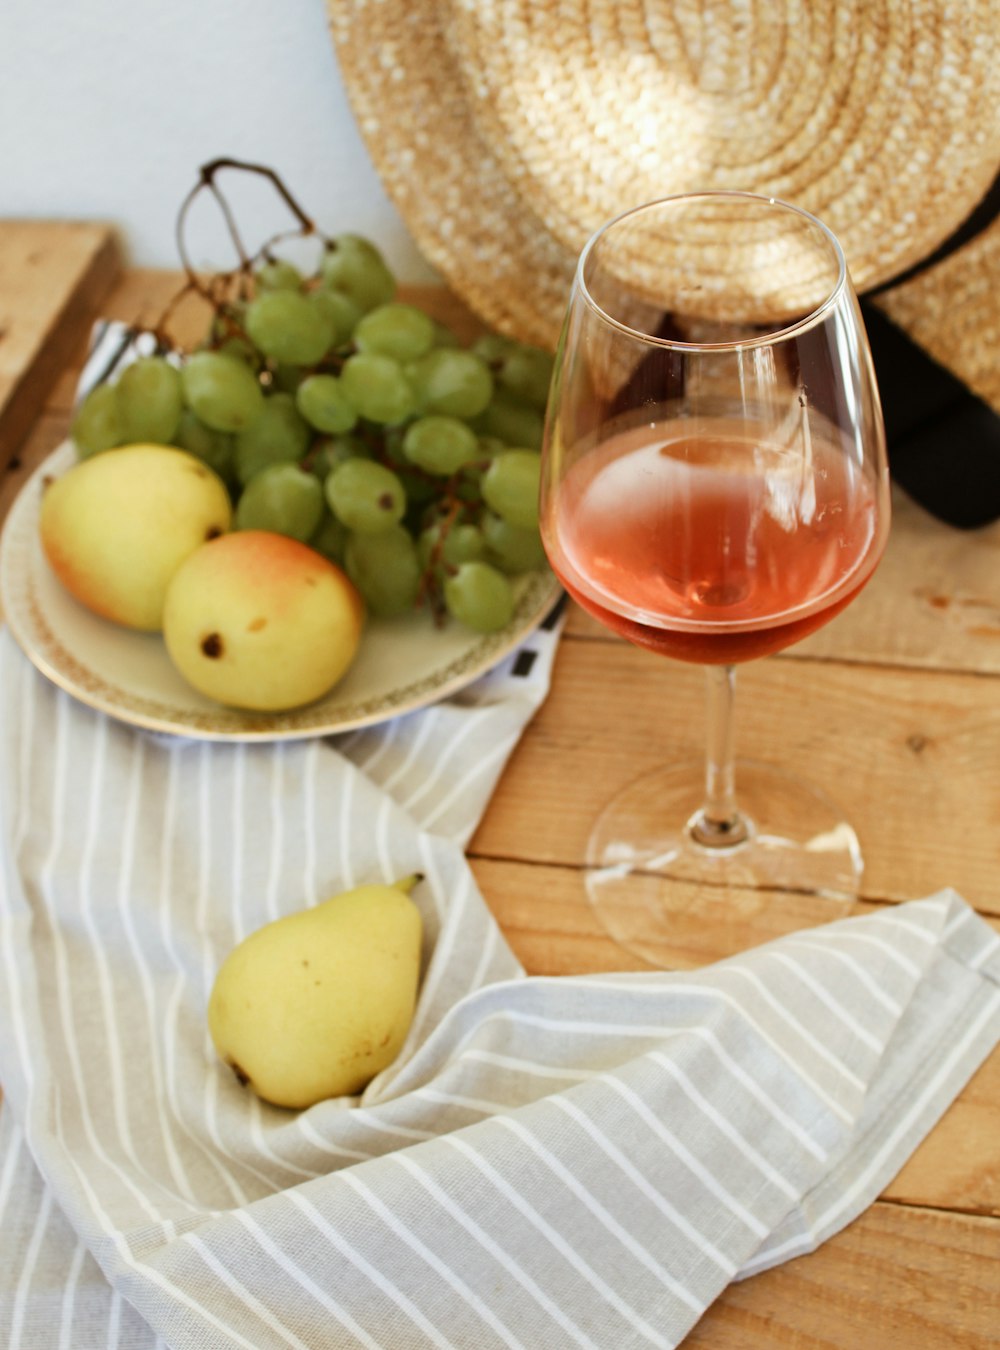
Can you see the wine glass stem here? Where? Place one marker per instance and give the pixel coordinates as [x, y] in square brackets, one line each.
[719, 824]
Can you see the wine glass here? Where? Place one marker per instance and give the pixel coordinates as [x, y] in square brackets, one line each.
[715, 488]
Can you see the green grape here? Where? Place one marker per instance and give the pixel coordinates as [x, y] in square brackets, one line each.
[149, 401]
[329, 451]
[377, 387]
[214, 447]
[511, 422]
[329, 537]
[339, 311]
[440, 445]
[493, 348]
[526, 373]
[288, 328]
[510, 486]
[385, 569]
[462, 542]
[279, 435]
[221, 391]
[451, 381]
[480, 597]
[97, 424]
[365, 496]
[321, 401]
[240, 349]
[400, 331]
[444, 336]
[355, 267]
[282, 498]
[512, 548]
[278, 275]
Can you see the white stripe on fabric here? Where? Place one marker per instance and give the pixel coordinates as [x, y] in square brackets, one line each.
[384, 739]
[813, 1042]
[34, 1247]
[498, 754]
[68, 1303]
[276, 852]
[310, 880]
[383, 846]
[454, 1281]
[322, 1296]
[248, 1299]
[903, 925]
[440, 962]
[683, 1225]
[670, 1139]
[126, 913]
[869, 939]
[440, 762]
[566, 1249]
[529, 1066]
[114, 1321]
[175, 1001]
[827, 949]
[417, 743]
[317, 1140]
[989, 948]
[62, 972]
[652, 1032]
[724, 1126]
[834, 1005]
[11, 1162]
[494, 1249]
[377, 1278]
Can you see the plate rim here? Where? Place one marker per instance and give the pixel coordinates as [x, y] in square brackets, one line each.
[28, 625]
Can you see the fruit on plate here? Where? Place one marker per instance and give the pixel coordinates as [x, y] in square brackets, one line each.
[315, 1004]
[348, 419]
[116, 527]
[258, 620]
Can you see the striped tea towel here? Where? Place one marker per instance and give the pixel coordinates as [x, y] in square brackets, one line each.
[550, 1162]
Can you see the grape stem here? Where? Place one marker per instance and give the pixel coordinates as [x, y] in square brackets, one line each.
[217, 290]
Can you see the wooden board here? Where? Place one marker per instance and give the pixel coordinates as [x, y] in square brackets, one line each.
[53, 276]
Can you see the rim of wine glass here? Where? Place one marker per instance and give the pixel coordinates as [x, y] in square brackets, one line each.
[762, 340]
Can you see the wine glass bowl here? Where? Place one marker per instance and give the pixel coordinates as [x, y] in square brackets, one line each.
[714, 488]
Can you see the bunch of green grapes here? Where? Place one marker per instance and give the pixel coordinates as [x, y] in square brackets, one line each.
[357, 424]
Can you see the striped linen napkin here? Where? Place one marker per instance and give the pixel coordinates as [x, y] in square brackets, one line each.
[561, 1162]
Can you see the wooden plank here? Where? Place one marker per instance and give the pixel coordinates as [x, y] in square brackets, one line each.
[551, 929]
[895, 1279]
[914, 756]
[53, 276]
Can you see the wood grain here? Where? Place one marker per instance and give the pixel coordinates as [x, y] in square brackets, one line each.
[913, 756]
[53, 275]
[896, 1279]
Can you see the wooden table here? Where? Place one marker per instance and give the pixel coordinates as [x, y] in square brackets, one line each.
[897, 703]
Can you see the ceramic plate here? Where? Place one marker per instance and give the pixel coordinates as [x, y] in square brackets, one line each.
[402, 664]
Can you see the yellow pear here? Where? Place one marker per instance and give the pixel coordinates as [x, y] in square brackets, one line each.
[315, 1004]
[257, 620]
[117, 526]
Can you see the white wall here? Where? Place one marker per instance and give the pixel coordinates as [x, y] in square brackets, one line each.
[108, 108]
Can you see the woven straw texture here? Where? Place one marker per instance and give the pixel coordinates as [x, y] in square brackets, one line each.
[507, 132]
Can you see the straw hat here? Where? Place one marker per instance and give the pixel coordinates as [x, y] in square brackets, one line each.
[507, 132]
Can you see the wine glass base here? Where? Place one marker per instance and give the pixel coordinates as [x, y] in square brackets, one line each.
[675, 902]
